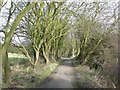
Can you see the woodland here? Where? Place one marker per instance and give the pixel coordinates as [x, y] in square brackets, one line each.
[36, 36]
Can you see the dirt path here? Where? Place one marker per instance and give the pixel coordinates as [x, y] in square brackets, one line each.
[62, 77]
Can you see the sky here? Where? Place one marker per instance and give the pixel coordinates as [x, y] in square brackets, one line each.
[2, 20]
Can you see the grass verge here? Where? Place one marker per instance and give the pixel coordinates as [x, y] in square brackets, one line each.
[23, 75]
[86, 77]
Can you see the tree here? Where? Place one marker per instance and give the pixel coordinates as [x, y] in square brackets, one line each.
[8, 35]
[44, 26]
[1, 2]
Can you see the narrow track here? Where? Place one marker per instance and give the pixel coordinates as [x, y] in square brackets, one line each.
[62, 77]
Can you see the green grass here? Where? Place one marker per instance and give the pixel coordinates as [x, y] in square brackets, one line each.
[44, 73]
[24, 75]
[13, 57]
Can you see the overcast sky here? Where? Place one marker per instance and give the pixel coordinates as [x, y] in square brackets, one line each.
[2, 20]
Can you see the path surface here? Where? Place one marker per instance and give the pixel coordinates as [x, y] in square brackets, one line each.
[62, 77]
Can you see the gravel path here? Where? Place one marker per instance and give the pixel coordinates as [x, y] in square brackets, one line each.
[62, 77]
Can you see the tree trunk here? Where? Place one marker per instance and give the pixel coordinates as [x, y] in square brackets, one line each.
[7, 69]
[4, 66]
[46, 55]
[36, 57]
[1, 69]
[1, 2]
[54, 56]
[47, 59]
[73, 52]
[1, 54]
[78, 52]
[3, 51]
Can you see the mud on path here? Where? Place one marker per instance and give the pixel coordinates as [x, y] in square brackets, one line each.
[62, 77]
